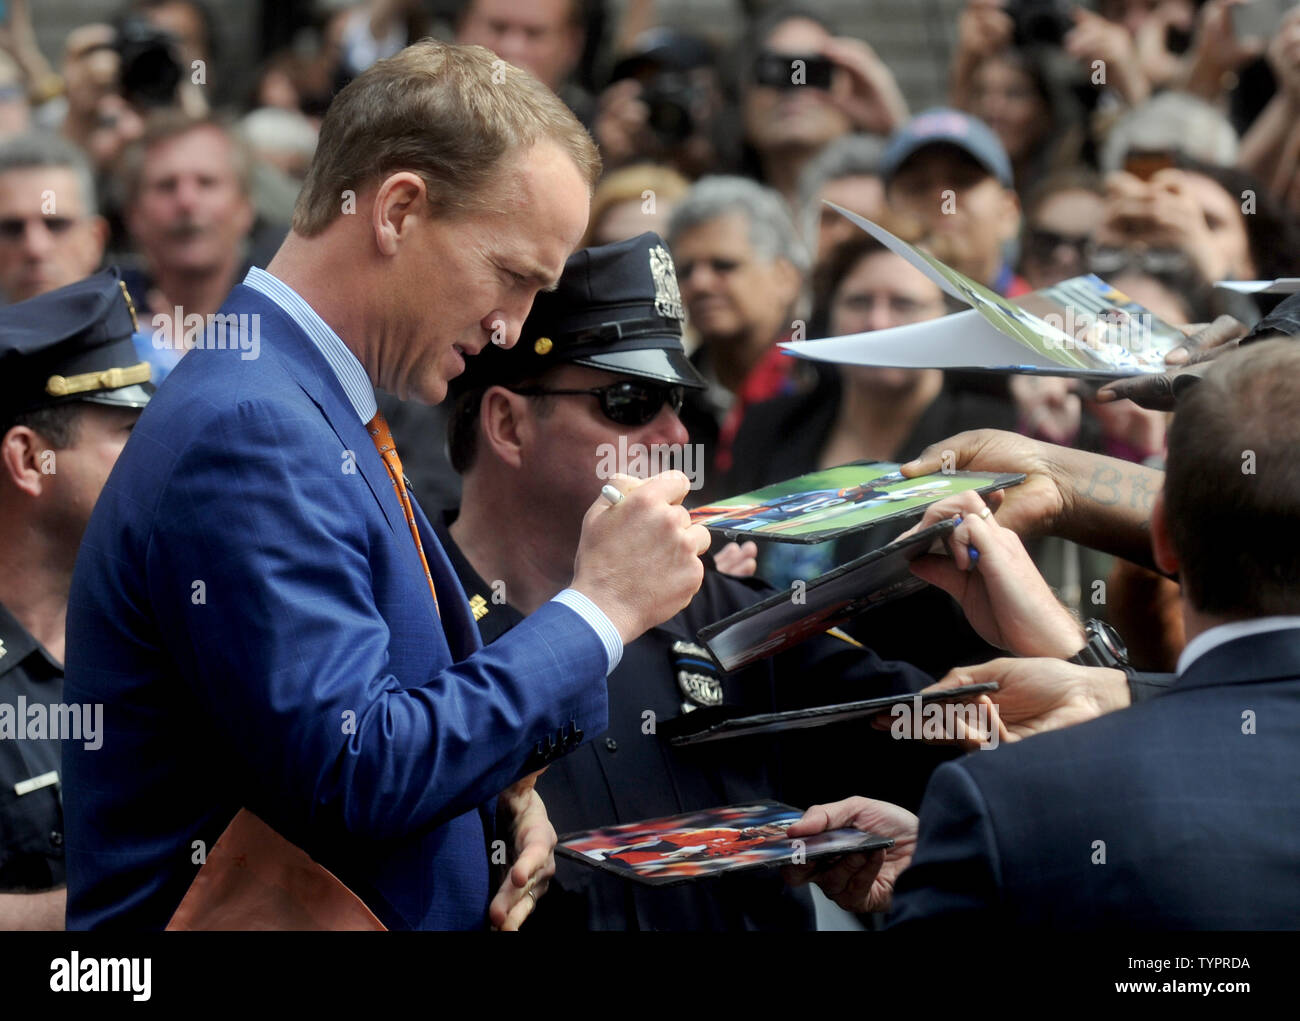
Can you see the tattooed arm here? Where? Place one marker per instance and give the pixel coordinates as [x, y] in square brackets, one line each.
[1091, 499]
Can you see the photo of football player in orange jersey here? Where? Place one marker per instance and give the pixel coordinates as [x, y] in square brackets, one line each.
[679, 848]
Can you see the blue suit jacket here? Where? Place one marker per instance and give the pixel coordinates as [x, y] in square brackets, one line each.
[249, 606]
[1198, 819]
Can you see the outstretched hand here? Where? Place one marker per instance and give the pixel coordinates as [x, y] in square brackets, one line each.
[1188, 362]
[533, 838]
[1029, 509]
[990, 574]
[1036, 695]
[857, 882]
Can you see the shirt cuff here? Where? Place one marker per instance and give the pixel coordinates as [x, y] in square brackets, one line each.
[601, 624]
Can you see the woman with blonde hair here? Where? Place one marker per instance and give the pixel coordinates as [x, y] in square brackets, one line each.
[631, 201]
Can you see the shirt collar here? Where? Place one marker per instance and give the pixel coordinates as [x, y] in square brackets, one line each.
[342, 362]
[16, 644]
[1223, 633]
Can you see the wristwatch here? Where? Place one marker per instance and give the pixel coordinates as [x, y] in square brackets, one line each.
[1104, 647]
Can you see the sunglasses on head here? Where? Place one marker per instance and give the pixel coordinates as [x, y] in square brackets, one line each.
[627, 402]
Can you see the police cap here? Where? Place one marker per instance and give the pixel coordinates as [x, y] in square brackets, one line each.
[72, 344]
[616, 307]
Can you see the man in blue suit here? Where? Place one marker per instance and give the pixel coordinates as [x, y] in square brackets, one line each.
[263, 609]
[1182, 811]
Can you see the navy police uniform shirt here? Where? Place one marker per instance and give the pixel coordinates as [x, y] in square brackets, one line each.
[630, 773]
[31, 809]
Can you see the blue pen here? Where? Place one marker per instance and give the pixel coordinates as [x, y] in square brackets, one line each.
[971, 550]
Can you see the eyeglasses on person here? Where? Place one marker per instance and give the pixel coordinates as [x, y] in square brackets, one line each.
[627, 402]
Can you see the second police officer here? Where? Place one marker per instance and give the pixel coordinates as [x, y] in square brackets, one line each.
[593, 385]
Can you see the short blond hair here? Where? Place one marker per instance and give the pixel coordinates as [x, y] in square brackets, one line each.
[445, 112]
[629, 184]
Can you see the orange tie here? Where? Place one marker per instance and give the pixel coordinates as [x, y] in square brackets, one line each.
[383, 438]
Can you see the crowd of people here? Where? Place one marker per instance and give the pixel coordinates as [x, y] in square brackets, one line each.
[548, 232]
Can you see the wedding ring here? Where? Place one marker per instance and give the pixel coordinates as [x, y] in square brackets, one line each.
[984, 513]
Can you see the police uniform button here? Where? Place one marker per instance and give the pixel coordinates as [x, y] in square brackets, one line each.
[543, 345]
[56, 838]
[611, 744]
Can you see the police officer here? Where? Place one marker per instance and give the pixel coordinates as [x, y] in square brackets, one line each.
[71, 388]
[593, 387]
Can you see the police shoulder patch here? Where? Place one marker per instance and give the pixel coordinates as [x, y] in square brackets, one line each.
[697, 675]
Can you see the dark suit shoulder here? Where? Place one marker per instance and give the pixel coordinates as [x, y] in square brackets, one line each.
[1173, 813]
[1114, 745]
[1153, 728]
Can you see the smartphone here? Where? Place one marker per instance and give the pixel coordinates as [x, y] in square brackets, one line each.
[791, 70]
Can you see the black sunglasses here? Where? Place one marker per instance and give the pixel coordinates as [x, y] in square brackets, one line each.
[14, 228]
[1109, 260]
[1044, 243]
[624, 403]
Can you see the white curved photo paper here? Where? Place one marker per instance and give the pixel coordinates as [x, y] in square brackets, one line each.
[1282, 285]
[1080, 327]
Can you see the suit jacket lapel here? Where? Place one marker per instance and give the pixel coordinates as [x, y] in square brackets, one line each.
[453, 605]
[304, 362]
[310, 370]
